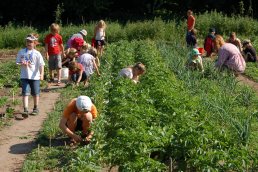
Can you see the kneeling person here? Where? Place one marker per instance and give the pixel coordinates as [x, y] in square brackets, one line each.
[78, 115]
[195, 60]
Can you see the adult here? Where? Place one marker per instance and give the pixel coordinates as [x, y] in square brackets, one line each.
[229, 56]
[208, 42]
[133, 72]
[78, 115]
[80, 35]
[249, 52]
[235, 41]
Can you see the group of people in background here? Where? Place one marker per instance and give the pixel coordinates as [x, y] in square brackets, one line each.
[231, 54]
[82, 60]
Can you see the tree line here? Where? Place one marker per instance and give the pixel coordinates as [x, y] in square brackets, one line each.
[42, 13]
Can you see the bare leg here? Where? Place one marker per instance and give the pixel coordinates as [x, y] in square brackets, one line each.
[58, 74]
[25, 100]
[36, 100]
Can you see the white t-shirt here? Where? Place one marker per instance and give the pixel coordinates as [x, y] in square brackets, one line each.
[126, 72]
[86, 60]
[35, 59]
[100, 34]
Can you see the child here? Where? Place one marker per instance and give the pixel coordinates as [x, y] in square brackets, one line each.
[195, 61]
[78, 115]
[70, 55]
[76, 74]
[234, 40]
[87, 59]
[208, 42]
[249, 52]
[32, 71]
[99, 35]
[54, 47]
[191, 39]
[133, 72]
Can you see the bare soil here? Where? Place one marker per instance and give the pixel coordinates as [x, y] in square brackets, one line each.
[17, 140]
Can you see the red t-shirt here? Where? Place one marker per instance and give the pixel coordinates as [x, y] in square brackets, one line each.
[190, 22]
[53, 42]
[78, 70]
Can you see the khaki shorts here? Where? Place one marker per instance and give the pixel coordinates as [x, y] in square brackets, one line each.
[55, 62]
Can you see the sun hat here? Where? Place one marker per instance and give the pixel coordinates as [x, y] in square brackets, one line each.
[31, 37]
[83, 32]
[195, 51]
[83, 103]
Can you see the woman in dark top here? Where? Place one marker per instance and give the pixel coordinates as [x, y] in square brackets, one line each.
[249, 52]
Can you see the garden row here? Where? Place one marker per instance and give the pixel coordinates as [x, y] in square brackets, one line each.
[175, 117]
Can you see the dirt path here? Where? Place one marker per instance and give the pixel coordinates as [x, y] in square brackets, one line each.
[245, 80]
[18, 140]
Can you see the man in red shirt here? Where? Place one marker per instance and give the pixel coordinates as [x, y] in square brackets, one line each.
[54, 48]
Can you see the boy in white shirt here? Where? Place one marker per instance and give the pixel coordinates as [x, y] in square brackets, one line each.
[32, 71]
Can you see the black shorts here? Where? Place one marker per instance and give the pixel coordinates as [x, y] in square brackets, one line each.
[99, 43]
[78, 126]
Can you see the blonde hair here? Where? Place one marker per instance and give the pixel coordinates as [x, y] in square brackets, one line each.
[71, 52]
[93, 51]
[101, 24]
[54, 28]
[85, 48]
[218, 42]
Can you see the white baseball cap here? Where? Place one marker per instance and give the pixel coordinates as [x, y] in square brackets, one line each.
[83, 103]
[31, 37]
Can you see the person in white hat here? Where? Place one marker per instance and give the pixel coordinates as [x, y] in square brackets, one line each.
[32, 64]
[81, 34]
[77, 116]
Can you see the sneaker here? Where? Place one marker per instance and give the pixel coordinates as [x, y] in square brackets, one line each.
[35, 112]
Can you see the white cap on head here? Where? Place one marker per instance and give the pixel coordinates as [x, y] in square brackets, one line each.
[31, 38]
[83, 103]
[83, 32]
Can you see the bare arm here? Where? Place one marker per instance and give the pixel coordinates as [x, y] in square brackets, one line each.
[46, 49]
[41, 70]
[96, 67]
[67, 131]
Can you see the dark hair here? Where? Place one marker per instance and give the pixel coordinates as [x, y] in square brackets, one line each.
[139, 66]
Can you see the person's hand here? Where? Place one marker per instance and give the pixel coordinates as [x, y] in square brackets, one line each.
[41, 77]
[77, 84]
[77, 138]
[98, 74]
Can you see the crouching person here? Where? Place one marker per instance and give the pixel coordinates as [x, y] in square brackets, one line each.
[194, 61]
[78, 116]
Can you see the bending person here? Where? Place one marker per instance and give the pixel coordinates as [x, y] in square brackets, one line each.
[78, 116]
[229, 56]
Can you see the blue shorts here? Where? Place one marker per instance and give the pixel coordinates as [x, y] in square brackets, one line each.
[30, 86]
